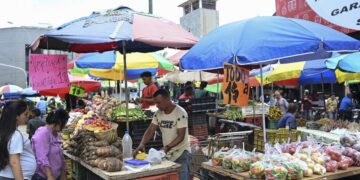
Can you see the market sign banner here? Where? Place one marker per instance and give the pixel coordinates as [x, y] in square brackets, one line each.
[48, 71]
[300, 9]
[77, 91]
[345, 13]
[235, 86]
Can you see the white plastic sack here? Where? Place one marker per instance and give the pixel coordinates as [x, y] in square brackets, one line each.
[155, 156]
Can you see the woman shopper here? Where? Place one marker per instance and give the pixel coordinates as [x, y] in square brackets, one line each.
[17, 160]
[47, 148]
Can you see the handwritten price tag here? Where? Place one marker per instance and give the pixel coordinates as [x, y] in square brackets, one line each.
[48, 71]
[235, 86]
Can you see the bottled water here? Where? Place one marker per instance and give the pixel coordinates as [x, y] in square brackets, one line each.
[127, 146]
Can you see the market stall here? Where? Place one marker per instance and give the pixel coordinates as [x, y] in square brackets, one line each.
[166, 169]
[245, 175]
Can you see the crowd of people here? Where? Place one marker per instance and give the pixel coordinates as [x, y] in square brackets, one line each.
[37, 155]
[333, 108]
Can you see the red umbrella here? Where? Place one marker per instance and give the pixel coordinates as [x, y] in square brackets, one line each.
[86, 83]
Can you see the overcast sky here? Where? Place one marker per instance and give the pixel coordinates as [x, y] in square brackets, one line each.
[57, 12]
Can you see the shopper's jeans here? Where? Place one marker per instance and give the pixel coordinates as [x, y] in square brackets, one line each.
[37, 177]
[307, 114]
[332, 115]
[184, 160]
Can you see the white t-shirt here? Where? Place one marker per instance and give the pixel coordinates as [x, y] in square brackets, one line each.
[168, 124]
[20, 144]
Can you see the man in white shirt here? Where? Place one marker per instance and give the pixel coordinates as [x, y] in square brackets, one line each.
[173, 123]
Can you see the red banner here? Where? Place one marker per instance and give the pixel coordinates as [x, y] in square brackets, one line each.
[301, 10]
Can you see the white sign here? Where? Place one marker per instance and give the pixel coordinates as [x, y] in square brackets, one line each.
[345, 13]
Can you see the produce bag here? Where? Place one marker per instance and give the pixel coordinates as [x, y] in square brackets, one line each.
[155, 156]
[331, 166]
[227, 161]
[219, 156]
[319, 169]
[275, 172]
[241, 162]
[294, 170]
[257, 170]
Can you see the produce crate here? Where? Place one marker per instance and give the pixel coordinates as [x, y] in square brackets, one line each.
[199, 131]
[197, 118]
[273, 136]
[205, 104]
[273, 124]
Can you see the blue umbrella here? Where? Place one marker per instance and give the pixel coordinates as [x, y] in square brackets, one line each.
[315, 72]
[264, 39]
[346, 63]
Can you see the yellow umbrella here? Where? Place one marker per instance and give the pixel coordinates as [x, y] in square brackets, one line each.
[135, 62]
[286, 71]
[343, 76]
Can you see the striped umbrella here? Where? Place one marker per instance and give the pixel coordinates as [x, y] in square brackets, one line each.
[10, 89]
[109, 65]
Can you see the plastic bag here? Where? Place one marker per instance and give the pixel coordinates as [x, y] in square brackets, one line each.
[219, 156]
[275, 172]
[227, 161]
[155, 156]
[294, 170]
[331, 166]
[257, 170]
[241, 162]
[319, 169]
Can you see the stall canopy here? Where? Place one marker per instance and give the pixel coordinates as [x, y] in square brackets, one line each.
[98, 33]
[248, 42]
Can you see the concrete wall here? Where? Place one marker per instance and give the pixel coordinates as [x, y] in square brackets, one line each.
[12, 52]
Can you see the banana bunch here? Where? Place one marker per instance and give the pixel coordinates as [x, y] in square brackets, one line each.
[275, 113]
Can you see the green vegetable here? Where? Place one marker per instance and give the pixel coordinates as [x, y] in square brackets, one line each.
[233, 114]
[134, 114]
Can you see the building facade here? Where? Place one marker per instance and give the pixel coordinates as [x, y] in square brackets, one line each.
[199, 17]
[14, 52]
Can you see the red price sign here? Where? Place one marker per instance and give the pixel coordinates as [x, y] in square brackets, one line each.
[235, 87]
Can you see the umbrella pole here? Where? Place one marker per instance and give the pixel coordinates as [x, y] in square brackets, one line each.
[322, 89]
[262, 102]
[217, 87]
[126, 88]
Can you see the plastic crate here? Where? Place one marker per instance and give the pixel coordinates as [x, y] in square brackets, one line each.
[273, 124]
[273, 136]
[197, 118]
[205, 104]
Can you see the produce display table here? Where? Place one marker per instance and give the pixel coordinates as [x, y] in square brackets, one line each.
[351, 171]
[321, 136]
[166, 167]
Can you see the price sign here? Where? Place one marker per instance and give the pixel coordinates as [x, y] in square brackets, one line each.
[77, 91]
[48, 71]
[235, 87]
